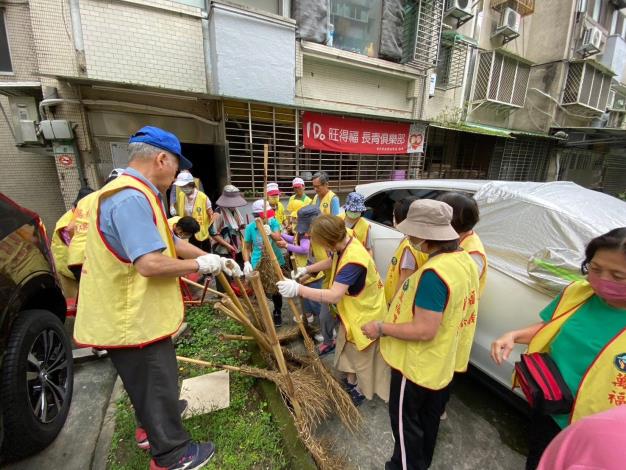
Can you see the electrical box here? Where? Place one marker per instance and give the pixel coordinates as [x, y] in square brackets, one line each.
[57, 129]
[23, 114]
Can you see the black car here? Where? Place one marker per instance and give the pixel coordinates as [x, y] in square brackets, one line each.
[36, 368]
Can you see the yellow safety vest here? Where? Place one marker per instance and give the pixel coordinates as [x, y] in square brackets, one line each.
[325, 204]
[472, 244]
[279, 213]
[366, 306]
[199, 212]
[173, 221]
[432, 364]
[393, 272]
[180, 193]
[315, 255]
[604, 384]
[361, 229]
[58, 247]
[76, 250]
[117, 306]
[296, 203]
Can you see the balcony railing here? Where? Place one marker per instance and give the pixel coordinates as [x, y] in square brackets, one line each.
[523, 7]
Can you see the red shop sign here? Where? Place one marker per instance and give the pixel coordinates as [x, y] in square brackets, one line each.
[340, 134]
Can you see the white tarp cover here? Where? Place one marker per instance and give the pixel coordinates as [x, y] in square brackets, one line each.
[519, 221]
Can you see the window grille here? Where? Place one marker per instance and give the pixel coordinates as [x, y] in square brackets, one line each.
[520, 160]
[248, 126]
[614, 175]
[422, 30]
[501, 80]
[451, 63]
[586, 88]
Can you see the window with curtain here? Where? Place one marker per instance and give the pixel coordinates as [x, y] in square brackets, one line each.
[355, 25]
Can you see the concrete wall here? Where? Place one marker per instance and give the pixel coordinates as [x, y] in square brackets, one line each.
[154, 43]
[28, 175]
[252, 55]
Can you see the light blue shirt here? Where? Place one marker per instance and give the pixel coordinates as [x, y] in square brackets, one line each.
[127, 222]
[253, 236]
[335, 207]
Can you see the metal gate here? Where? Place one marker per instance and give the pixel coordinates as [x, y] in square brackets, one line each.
[520, 160]
[249, 126]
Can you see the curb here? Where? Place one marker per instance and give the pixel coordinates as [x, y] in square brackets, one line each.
[100, 456]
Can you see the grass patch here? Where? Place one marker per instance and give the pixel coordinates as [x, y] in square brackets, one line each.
[245, 435]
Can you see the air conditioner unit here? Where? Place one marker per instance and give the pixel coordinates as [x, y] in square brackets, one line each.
[591, 42]
[458, 8]
[509, 21]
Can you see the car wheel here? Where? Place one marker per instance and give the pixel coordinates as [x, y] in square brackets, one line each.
[36, 382]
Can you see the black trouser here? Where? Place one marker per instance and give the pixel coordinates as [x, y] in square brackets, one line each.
[277, 299]
[150, 377]
[415, 414]
[540, 433]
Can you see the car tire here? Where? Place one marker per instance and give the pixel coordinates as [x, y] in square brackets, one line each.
[36, 383]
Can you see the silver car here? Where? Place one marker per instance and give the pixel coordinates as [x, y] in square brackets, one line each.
[534, 235]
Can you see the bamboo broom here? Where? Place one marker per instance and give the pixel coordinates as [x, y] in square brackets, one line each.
[342, 402]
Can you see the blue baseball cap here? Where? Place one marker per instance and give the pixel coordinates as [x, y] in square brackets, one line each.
[163, 140]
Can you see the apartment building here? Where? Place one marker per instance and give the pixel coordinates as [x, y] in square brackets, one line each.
[364, 89]
[542, 97]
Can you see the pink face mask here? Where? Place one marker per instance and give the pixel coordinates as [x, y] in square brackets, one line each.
[608, 290]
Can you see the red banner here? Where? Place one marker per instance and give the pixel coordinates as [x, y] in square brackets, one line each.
[341, 134]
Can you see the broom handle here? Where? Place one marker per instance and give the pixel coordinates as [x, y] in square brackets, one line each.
[279, 274]
[198, 362]
[208, 289]
[255, 280]
[258, 335]
[221, 277]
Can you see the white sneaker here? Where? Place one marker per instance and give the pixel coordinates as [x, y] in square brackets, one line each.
[319, 338]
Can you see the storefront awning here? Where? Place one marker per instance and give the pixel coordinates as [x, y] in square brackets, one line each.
[473, 128]
[588, 136]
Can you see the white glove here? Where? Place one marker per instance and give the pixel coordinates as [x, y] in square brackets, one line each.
[288, 288]
[209, 264]
[268, 230]
[247, 269]
[298, 273]
[231, 268]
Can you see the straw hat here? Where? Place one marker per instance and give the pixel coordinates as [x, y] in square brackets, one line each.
[231, 197]
[429, 220]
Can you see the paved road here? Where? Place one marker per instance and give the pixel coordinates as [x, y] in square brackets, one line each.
[75, 446]
[482, 432]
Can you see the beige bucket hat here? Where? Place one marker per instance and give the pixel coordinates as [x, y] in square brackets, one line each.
[428, 219]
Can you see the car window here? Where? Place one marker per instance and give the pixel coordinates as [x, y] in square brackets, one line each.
[380, 205]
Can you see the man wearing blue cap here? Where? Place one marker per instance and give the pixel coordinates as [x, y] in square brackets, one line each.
[130, 301]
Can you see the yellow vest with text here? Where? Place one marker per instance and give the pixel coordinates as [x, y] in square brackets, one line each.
[366, 306]
[473, 245]
[117, 306]
[432, 364]
[604, 384]
[199, 213]
[58, 247]
[325, 203]
[361, 229]
[316, 254]
[393, 272]
[296, 203]
[76, 251]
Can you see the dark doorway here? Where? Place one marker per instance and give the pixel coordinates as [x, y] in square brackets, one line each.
[204, 167]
